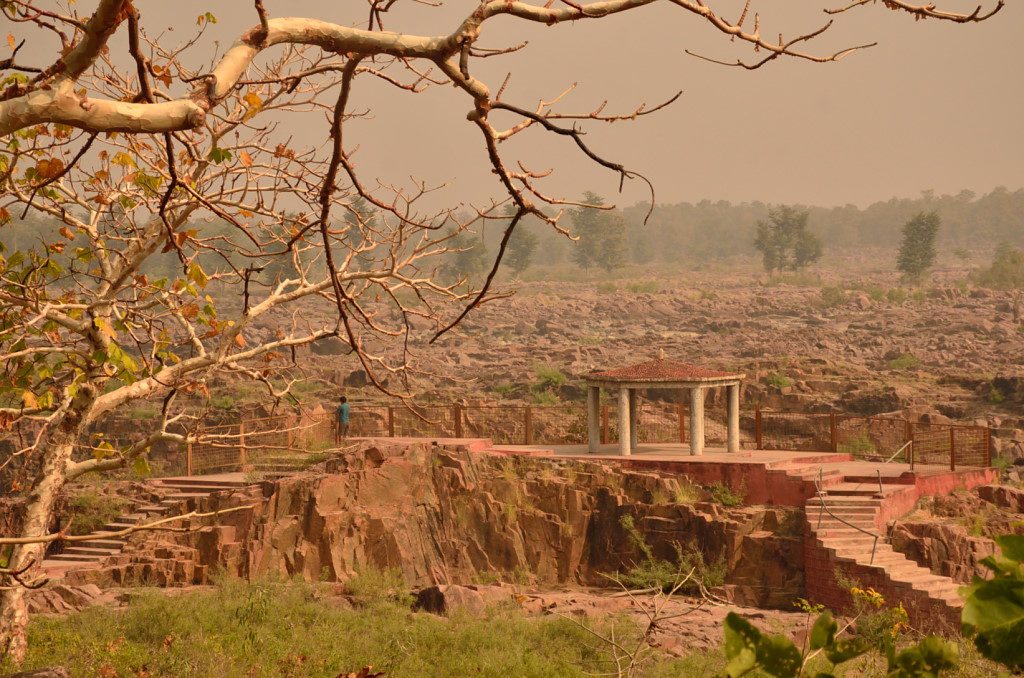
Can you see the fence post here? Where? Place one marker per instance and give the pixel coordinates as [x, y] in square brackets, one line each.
[457, 415]
[758, 429]
[952, 449]
[988, 447]
[681, 414]
[188, 459]
[391, 421]
[528, 423]
[241, 443]
[833, 431]
[604, 425]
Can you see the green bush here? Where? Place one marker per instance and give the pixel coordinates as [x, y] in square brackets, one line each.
[647, 287]
[896, 295]
[657, 573]
[832, 296]
[906, 361]
[724, 495]
[778, 380]
[858, 445]
[549, 377]
[544, 398]
[607, 288]
[1006, 271]
[88, 511]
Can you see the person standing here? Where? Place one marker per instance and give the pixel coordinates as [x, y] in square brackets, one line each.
[341, 430]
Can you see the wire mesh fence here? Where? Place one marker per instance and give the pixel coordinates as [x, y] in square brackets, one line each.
[237, 445]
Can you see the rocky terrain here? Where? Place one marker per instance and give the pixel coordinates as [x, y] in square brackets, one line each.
[443, 516]
[859, 344]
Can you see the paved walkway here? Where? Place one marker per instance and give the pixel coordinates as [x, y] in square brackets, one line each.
[680, 453]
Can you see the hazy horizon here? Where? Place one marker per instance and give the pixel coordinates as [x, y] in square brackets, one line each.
[935, 106]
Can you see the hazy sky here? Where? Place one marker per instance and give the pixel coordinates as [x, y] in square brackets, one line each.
[933, 106]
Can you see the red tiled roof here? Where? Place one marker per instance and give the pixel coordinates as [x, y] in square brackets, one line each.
[662, 369]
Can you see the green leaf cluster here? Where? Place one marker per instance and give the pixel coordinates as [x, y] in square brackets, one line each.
[994, 608]
[748, 649]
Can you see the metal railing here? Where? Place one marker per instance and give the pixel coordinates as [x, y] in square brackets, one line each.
[825, 509]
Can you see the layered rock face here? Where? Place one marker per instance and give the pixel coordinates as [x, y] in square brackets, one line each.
[943, 548]
[950, 535]
[449, 516]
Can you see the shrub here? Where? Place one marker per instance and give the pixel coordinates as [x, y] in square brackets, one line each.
[647, 287]
[724, 495]
[859, 444]
[544, 398]
[832, 296]
[549, 377]
[897, 295]
[656, 573]
[906, 361]
[89, 511]
[607, 288]
[778, 380]
[1006, 271]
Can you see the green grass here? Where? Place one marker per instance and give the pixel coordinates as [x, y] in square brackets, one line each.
[239, 629]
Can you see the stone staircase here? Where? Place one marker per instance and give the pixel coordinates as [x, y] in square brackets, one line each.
[842, 524]
[163, 497]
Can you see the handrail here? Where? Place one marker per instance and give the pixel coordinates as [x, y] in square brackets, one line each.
[907, 444]
[824, 507]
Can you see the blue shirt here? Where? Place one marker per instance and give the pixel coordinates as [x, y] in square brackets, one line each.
[343, 413]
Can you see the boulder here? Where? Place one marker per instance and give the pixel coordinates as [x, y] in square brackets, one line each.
[330, 346]
[449, 598]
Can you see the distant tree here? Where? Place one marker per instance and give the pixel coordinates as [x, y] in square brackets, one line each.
[784, 241]
[466, 258]
[1006, 271]
[521, 248]
[917, 246]
[602, 235]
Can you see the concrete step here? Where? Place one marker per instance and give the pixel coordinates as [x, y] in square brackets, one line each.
[185, 496]
[150, 509]
[828, 523]
[59, 566]
[132, 518]
[73, 558]
[116, 526]
[101, 543]
[852, 500]
[90, 551]
[194, 481]
[846, 504]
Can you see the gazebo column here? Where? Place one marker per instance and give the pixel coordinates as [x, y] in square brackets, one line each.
[593, 419]
[625, 433]
[696, 420]
[734, 417]
[632, 419]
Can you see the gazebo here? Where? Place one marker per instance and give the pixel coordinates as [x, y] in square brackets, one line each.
[664, 374]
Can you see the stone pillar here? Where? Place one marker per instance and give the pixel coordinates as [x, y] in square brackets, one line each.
[632, 419]
[625, 435]
[593, 419]
[734, 417]
[696, 420]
